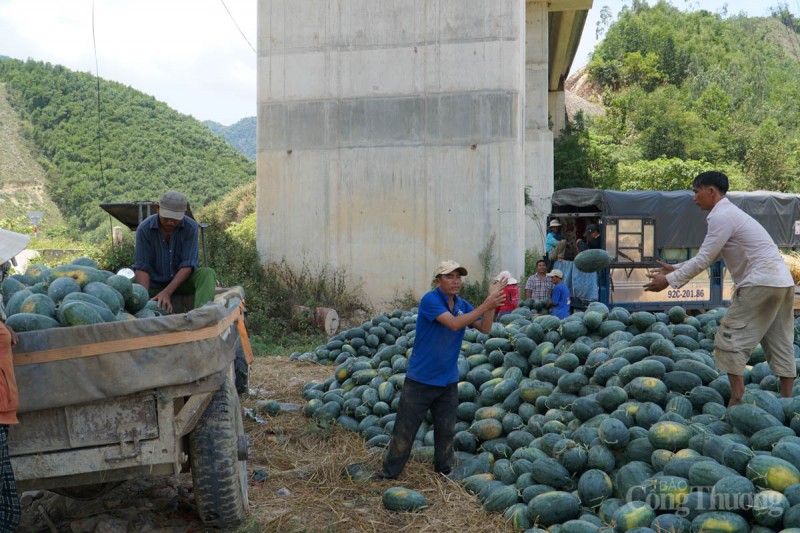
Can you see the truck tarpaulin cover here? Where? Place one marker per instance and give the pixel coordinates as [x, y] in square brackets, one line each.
[679, 222]
[141, 361]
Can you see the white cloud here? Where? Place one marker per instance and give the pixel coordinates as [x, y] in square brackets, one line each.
[186, 53]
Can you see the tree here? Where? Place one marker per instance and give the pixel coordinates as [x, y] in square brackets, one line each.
[768, 162]
[642, 70]
[571, 155]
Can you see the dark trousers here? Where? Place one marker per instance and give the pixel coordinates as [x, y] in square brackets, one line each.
[10, 512]
[415, 401]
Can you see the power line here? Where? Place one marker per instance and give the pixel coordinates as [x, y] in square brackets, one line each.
[99, 116]
[237, 27]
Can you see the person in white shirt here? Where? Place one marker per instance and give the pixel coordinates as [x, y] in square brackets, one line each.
[761, 309]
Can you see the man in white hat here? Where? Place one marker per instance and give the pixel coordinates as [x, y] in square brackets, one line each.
[432, 377]
[11, 244]
[166, 255]
[553, 237]
[511, 292]
[560, 300]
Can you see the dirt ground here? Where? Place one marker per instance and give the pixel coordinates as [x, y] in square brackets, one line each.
[306, 488]
[310, 462]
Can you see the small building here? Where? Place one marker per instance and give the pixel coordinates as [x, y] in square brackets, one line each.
[393, 135]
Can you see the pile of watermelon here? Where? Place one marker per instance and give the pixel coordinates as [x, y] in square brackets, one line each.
[75, 294]
[606, 419]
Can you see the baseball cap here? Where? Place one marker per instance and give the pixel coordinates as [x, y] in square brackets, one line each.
[554, 223]
[11, 243]
[555, 272]
[172, 205]
[506, 274]
[446, 267]
[592, 227]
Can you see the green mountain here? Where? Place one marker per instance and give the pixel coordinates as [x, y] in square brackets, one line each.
[686, 92]
[241, 135]
[99, 141]
[23, 182]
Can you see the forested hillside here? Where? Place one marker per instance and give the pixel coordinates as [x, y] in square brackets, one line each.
[686, 92]
[23, 184]
[241, 135]
[120, 146]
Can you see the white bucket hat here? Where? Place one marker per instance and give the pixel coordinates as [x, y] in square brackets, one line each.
[506, 274]
[11, 243]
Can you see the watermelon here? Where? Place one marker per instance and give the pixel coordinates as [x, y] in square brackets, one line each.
[403, 499]
[632, 515]
[721, 521]
[592, 260]
[82, 275]
[84, 262]
[39, 304]
[60, 287]
[594, 486]
[137, 300]
[22, 322]
[78, 314]
[500, 499]
[769, 507]
[554, 507]
[121, 284]
[772, 473]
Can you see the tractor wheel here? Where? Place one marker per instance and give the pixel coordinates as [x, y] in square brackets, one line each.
[242, 369]
[218, 450]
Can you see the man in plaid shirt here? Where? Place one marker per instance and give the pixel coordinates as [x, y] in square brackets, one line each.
[539, 286]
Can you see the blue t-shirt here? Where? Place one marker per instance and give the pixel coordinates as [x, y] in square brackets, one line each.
[436, 347]
[551, 240]
[162, 262]
[561, 299]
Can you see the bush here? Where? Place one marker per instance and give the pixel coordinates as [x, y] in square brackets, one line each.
[112, 257]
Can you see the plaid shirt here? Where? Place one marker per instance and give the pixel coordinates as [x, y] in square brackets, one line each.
[541, 289]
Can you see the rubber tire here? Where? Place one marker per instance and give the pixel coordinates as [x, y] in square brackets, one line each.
[219, 477]
[242, 370]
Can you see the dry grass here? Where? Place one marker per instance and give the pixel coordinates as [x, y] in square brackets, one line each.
[792, 260]
[310, 462]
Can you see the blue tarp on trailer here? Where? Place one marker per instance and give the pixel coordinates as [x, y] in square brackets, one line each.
[680, 223]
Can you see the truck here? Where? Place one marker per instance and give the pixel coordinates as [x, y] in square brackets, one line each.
[104, 403]
[639, 228]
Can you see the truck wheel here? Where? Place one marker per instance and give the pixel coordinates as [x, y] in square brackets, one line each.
[218, 449]
[242, 370]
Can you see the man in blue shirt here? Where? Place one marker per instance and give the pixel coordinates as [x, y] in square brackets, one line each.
[432, 377]
[559, 302]
[551, 240]
[165, 257]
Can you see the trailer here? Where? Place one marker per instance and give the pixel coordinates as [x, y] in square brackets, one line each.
[104, 403]
[639, 228]
[109, 402]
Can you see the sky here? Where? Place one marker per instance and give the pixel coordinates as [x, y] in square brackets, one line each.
[192, 54]
[186, 53]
